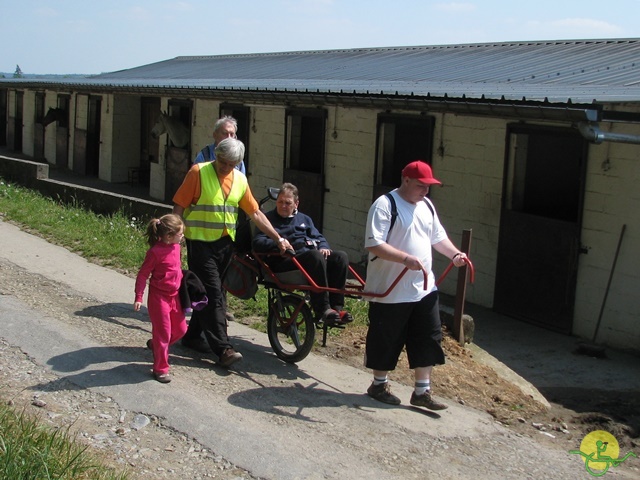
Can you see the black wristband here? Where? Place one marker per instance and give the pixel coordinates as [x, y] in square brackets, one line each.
[454, 257]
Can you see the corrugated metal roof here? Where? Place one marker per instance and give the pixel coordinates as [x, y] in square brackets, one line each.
[578, 71]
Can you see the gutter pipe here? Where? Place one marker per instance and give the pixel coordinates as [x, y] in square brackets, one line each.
[592, 132]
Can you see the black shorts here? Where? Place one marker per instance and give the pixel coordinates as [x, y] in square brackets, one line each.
[393, 326]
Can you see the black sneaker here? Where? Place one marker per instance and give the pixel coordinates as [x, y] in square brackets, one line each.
[427, 401]
[198, 344]
[383, 394]
[329, 317]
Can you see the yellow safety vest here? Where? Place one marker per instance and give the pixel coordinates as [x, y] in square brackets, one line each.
[214, 214]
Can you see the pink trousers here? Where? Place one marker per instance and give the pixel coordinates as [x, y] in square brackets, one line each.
[168, 325]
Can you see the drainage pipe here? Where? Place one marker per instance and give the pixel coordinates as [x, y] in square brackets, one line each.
[592, 132]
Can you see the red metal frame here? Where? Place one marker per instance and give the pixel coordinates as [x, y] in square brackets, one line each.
[349, 289]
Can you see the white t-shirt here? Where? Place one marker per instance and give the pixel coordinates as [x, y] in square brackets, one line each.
[415, 230]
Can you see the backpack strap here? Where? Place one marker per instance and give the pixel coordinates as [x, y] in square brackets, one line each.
[394, 209]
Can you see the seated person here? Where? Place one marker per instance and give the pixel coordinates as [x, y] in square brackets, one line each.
[325, 266]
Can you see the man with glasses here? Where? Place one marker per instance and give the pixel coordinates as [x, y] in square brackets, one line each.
[225, 127]
[209, 199]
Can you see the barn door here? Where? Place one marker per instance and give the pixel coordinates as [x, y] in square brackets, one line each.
[149, 146]
[38, 129]
[14, 134]
[3, 116]
[62, 133]
[540, 226]
[177, 160]
[304, 159]
[93, 136]
[401, 139]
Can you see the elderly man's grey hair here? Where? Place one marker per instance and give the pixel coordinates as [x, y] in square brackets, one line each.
[231, 150]
[223, 121]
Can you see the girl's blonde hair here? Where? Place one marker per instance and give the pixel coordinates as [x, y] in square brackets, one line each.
[165, 225]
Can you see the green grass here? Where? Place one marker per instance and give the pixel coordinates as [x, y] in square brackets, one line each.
[28, 450]
[114, 241]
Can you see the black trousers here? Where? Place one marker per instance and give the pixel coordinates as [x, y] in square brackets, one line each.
[208, 260]
[329, 272]
[414, 325]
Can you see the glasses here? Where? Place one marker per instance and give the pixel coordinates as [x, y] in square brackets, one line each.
[225, 163]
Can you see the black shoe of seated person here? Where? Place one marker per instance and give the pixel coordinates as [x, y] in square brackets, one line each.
[329, 317]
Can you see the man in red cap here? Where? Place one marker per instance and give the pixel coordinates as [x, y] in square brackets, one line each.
[409, 316]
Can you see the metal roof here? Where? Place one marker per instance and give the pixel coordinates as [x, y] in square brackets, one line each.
[562, 71]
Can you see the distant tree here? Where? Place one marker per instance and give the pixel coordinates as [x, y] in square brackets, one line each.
[18, 72]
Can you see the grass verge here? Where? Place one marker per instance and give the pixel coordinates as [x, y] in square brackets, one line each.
[30, 450]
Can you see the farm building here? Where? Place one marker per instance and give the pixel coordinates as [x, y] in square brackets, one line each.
[537, 144]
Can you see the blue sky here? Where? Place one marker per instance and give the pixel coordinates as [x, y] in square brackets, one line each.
[93, 36]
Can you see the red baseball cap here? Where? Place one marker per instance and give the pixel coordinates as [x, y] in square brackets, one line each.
[421, 171]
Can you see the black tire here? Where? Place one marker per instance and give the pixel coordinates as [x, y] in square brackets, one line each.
[291, 338]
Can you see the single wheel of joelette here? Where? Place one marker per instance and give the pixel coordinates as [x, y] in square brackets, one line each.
[290, 328]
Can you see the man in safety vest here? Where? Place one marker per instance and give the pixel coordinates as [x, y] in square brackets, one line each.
[209, 200]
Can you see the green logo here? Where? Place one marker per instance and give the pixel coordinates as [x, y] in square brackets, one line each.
[599, 451]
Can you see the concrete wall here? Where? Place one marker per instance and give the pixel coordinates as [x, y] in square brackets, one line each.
[611, 201]
[35, 175]
[267, 149]
[205, 114]
[28, 121]
[469, 159]
[349, 172]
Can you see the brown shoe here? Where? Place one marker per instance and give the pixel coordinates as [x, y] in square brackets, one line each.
[162, 377]
[229, 357]
[427, 401]
[383, 394]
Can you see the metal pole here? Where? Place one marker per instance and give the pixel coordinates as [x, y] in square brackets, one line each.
[606, 291]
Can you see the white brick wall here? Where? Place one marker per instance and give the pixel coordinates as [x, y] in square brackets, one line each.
[612, 199]
[349, 170]
[28, 117]
[266, 149]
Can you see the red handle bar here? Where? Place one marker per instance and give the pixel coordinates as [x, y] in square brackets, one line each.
[472, 272]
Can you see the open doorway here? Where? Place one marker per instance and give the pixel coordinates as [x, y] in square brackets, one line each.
[539, 240]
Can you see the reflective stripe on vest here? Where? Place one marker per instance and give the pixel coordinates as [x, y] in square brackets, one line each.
[207, 220]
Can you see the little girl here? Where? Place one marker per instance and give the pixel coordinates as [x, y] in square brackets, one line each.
[163, 264]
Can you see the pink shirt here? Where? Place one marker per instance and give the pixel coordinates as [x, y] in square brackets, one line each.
[164, 265]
